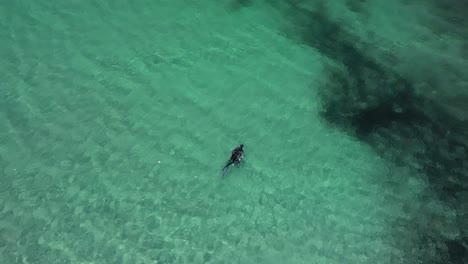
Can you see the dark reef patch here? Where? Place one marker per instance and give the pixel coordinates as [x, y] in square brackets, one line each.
[235, 5]
[452, 11]
[384, 109]
[357, 6]
[458, 252]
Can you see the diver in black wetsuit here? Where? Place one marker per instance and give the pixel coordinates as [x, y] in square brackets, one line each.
[236, 157]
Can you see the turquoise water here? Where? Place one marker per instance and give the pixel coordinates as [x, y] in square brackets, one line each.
[117, 116]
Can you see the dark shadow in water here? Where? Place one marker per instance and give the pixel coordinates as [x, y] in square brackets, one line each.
[457, 252]
[357, 6]
[235, 5]
[452, 11]
[382, 108]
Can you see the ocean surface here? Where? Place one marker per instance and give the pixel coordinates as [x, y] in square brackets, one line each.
[116, 118]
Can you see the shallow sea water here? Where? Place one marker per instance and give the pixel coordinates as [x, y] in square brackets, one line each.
[116, 118]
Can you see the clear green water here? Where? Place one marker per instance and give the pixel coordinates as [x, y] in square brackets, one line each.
[116, 118]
